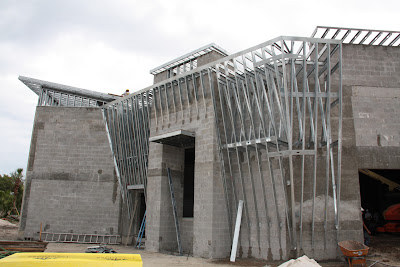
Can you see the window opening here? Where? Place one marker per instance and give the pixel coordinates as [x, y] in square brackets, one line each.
[188, 183]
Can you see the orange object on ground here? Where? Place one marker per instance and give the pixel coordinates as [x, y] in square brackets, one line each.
[392, 213]
[380, 229]
[392, 227]
[354, 252]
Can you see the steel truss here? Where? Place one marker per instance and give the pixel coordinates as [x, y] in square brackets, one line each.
[278, 117]
[127, 125]
[273, 98]
[54, 94]
[358, 36]
[187, 61]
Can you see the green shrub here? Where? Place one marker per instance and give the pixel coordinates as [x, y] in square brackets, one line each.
[9, 186]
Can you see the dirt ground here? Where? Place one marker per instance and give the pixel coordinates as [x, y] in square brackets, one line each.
[8, 231]
[384, 248]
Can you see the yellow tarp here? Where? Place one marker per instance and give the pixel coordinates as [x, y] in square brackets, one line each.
[71, 260]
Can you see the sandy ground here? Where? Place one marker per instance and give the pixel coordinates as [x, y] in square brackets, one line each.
[383, 248]
[8, 231]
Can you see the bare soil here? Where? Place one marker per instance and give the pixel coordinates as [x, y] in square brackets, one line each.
[384, 248]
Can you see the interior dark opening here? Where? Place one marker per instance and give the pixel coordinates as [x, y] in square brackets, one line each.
[188, 183]
[375, 195]
[380, 200]
[142, 210]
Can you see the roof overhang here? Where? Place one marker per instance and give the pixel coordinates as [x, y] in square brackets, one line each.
[178, 138]
[36, 85]
[189, 56]
[358, 36]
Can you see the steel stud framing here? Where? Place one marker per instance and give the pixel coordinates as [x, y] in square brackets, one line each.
[278, 113]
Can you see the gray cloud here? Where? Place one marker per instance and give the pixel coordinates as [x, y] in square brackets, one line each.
[37, 23]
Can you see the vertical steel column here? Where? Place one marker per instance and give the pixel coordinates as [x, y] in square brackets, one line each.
[112, 152]
[316, 77]
[290, 146]
[339, 175]
[303, 142]
[237, 152]
[226, 192]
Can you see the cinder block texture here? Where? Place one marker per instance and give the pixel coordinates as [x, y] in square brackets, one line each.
[377, 66]
[376, 119]
[70, 183]
[207, 233]
[70, 171]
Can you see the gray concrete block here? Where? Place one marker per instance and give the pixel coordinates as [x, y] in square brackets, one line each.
[66, 190]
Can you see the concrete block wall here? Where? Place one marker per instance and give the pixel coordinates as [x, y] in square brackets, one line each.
[376, 117]
[324, 246]
[211, 237]
[70, 184]
[159, 206]
[207, 233]
[376, 120]
[370, 102]
[270, 241]
[371, 75]
[362, 67]
[373, 66]
[371, 78]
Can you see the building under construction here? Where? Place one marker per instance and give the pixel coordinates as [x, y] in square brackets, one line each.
[304, 131]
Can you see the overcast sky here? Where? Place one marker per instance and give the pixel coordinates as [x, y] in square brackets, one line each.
[110, 46]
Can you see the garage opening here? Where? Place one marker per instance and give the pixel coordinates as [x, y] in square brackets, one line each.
[380, 199]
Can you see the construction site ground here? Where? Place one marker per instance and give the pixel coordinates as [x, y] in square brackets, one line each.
[384, 248]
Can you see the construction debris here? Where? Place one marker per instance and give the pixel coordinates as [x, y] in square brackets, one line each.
[100, 249]
[303, 261]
